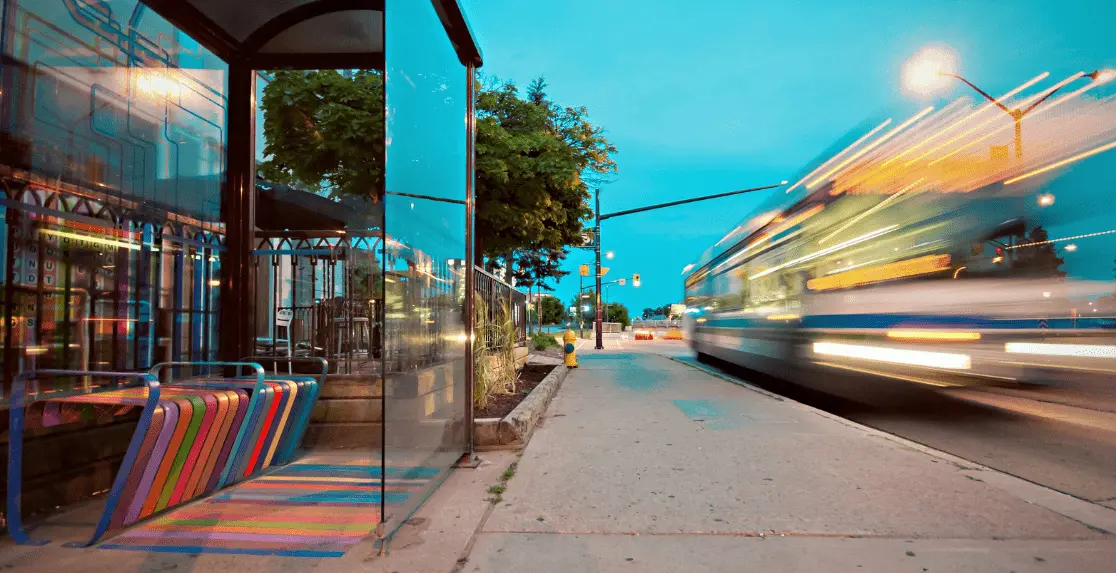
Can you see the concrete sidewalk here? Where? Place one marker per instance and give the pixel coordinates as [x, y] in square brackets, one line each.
[644, 463]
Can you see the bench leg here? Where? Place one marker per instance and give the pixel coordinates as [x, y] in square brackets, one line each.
[125, 470]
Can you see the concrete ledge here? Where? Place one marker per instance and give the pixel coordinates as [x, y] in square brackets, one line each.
[515, 429]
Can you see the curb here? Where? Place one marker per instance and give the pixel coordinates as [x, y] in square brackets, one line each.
[1088, 513]
[515, 429]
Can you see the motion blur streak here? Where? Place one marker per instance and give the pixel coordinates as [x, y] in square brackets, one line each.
[1063, 162]
[895, 355]
[1075, 237]
[895, 131]
[881, 273]
[1084, 350]
[885, 374]
[840, 153]
[932, 335]
[824, 252]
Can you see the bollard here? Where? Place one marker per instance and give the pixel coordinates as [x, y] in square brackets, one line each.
[570, 348]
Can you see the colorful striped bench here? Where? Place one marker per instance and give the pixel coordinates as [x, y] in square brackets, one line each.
[195, 435]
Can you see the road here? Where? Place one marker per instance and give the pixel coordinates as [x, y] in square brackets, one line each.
[1063, 438]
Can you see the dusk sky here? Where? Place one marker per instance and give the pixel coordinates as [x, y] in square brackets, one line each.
[715, 95]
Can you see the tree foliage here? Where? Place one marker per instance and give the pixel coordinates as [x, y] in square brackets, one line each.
[1039, 259]
[552, 310]
[618, 313]
[532, 157]
[657, 311]
[324, 131]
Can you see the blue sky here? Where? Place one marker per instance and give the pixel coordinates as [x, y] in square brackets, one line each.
[714, 95]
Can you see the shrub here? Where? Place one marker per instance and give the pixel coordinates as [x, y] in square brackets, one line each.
[543, 341]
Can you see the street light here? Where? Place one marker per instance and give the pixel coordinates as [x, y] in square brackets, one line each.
[1046, 200]
[610, 255]
[930, 69]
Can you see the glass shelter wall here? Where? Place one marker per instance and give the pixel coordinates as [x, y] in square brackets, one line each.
[112, 158]
[425, 245]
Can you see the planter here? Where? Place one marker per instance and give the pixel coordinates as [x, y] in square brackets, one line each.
[515, 429]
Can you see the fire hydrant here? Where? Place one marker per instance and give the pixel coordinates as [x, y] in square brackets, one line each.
[570, 348]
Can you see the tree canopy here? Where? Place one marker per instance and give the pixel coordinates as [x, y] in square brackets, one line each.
[535, 159]
[324, 131]
[552, 310]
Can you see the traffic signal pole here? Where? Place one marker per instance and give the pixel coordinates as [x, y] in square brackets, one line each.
[597, 236]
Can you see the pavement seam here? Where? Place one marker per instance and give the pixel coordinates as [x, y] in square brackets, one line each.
[961, 463]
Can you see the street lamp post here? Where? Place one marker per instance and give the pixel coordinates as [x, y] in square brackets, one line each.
[597, 234]
[1018, 114]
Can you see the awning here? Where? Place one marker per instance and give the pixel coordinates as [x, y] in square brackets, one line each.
[309, 34]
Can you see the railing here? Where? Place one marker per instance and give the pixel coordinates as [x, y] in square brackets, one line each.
[497, 296]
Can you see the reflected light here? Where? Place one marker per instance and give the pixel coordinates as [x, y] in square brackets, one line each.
[895, 355]
[932, 335]
[1085, 350]
[783, 317]
[925, 72]
[35, 350]
[687, 268]
[88, 239]
[894, 131]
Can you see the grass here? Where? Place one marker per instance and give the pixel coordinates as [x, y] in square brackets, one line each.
[498, 490]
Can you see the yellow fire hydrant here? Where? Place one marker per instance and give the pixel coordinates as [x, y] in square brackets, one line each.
[570, 348]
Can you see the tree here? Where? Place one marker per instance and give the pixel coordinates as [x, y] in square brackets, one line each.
[551, 310]
[324, 131]
[618, 313]
[534, 268]
[1040, 258]
[531, 156]
[658, 311]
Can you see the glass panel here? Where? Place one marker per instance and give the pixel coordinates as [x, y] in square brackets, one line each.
[319, 279]
[424, 361]
[112, 158]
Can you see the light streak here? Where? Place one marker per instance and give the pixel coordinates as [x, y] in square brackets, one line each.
[86, 238]
[826, 251]
[932, 335]
[884, 374]
[897, 270]
[843, 151]
[1063, 162]
[783, 317]
[895, 131]
[874, 208]
[1086, 236]
[895, 355]
[1083, 350]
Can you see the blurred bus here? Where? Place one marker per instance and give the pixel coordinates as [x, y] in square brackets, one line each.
[920, 249]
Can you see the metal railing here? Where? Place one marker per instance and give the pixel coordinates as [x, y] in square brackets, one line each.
[500, 297]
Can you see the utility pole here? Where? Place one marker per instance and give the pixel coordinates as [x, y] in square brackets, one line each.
[597, 291]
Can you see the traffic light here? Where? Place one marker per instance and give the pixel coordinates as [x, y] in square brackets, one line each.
[623, 282]
[635, 280]
[584, 270]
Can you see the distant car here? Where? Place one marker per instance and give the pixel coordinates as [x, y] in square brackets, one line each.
[644, 334]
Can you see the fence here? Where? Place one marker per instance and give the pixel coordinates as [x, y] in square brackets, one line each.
[498, 295]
